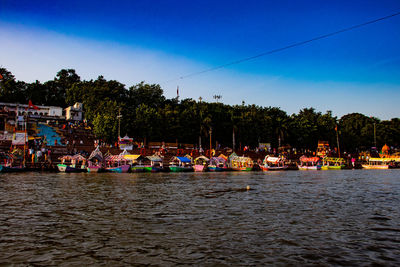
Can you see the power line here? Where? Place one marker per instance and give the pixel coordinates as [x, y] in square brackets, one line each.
[286, 47]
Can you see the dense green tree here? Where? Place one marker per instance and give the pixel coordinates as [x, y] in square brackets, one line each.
[11, 90]
[357, 131]
[148, 115]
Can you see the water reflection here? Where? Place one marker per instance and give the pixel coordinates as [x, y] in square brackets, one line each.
[338, 217]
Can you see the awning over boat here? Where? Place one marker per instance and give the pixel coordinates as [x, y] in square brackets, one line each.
[77, 157]
[217, 160]
[384, 159]
[184, 159]
[96, 154]
[240, 159]
[115, 158]
[201, 158]
[132, 157]
[272, 159]
[334, 160]
[311, 159]
[154, 158]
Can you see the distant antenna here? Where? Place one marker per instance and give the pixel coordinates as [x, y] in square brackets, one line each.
[217, 97]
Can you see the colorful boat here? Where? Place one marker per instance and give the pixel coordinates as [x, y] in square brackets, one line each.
[218, 164]
[382, 163]
[242, 163]
[200, 164]
[116, 163]
[75, 163]
[180, 164]
[135, 162]
[7, 169]
[96, 161]
[330, 163]
[9, 160]
[309, 163]
[156, 164]
[273, 164]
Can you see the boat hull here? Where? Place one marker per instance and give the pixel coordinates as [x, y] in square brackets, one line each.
[138, 168]
[270, 168]
[218, 169]
[69, 169]
[153, 169]
[180, 169]
[375, 167]
[325, 168]
[199, 168]
[95, 169]
[242, 169]
[119, 169]
[310, 168]
[6, 169]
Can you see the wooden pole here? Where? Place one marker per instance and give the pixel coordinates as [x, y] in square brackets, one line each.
[337, 140]
[210, 141]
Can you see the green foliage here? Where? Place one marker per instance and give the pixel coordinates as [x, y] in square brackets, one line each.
[105, 123]
[148, 115]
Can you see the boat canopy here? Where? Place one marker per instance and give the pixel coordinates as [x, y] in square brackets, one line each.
[214, 160]
[334, 160]
[116, 158]
[239, 159]
[96, 154]
[201, 159]
[183, 159]
[311, 159]
[154, 158]
[384, 159]
[189, 157]
[273, 159]
[132, 157]
[77, 157]
[222, 156]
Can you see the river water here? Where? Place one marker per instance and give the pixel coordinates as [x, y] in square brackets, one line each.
[348, 217]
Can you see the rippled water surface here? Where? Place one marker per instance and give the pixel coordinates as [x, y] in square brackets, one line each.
[348, 217]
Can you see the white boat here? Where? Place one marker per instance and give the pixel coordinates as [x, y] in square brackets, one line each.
[309, 163]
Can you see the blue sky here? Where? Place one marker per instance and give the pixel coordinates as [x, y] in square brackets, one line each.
[160, 41]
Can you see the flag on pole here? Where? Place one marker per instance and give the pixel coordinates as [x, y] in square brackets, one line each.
[30, 105]
[177, 91]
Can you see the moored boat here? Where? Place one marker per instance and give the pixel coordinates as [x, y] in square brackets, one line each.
[382, 163]
[309, 163]
[156, 164]
[200, 164]
[330, 163]
[135, 162]
[218, 164]
[273, 164]
[180, 164]
[116, 163]
[96, 161]
[242, 163]
[75, 163]
[8, 165]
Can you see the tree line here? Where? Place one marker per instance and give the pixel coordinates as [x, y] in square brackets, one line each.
[149, 116]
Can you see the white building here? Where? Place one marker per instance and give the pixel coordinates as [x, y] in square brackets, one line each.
[40, 111]
[75, 112]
